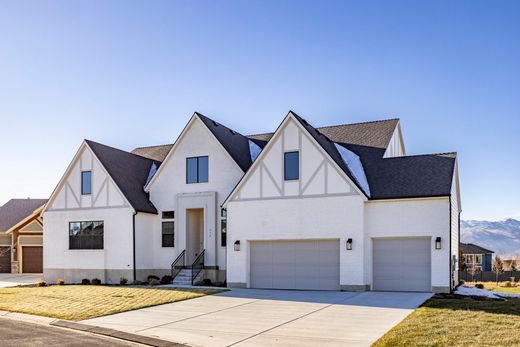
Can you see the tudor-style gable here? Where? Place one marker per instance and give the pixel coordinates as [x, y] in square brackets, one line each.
[395, 146]
[319, 175]
[103, 192]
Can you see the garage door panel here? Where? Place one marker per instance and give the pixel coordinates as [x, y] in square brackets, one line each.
[5, 259]
[402, 264]
[303, 264]
[32, 259]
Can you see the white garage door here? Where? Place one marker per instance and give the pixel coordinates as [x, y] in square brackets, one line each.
[312, 264]
[402, 264]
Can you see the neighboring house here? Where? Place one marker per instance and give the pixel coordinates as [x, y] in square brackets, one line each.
[337, 207]
[476, 256]
[21, 236]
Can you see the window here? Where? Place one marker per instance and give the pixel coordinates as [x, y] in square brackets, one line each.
[168, 236]
[86, 182]
[291, 166]
[223, 227]
[86, 235]
[197, 170]
[478, 259]
[168, 215]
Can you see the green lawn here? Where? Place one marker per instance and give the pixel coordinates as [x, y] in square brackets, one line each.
[75, 302]
[452, 321]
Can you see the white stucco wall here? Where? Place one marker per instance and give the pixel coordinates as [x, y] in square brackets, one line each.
[295, 219]
[409, 218]
[170, 184]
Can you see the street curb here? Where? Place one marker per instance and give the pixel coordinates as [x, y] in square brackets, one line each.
[145, 340]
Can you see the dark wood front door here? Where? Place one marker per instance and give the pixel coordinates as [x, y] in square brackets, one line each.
[32, 259]
[5, 259]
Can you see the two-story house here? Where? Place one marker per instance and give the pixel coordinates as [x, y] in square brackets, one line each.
[338, 207]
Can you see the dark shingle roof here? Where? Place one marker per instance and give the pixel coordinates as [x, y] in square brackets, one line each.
[129, 172]
[236, 144]
[395, 177]
[157, 153]
[373, 134]
[470, 248]
[16, 210]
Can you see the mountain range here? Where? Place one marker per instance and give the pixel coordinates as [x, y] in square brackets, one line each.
[502, 237]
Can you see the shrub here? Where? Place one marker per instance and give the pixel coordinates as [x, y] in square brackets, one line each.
[96, 281]
[41, 283]
[479, 286]
[138, 283]
[154, 282]
[507, 284]
[152, 277]
[60, 282]
[123, 281]
[207, 282]
[85, 281]
[167, 279]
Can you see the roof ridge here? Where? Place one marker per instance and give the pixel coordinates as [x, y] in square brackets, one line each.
[118, 149]
[422, 155]
[358, 123]
[153, 146]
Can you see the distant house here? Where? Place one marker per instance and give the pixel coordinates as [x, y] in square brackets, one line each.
[21, 239]
[479, 256]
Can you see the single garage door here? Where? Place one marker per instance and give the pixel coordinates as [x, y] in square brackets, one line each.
[402, 264]
[5, 259]
[32, 259]
[310, 264]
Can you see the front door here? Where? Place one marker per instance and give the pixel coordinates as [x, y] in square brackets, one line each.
[194, 234]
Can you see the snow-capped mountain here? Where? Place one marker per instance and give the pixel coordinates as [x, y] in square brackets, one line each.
[501, 237]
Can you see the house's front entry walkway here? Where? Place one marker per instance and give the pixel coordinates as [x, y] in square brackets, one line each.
[250, 317]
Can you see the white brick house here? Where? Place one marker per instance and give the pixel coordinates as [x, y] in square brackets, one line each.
[338, 207]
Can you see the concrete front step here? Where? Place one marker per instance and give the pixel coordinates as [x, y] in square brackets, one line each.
[184, 277]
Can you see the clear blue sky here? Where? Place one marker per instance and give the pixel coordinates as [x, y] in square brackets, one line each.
[132, 73]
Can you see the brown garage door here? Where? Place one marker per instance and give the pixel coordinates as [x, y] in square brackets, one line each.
[5, 259]
[32, 261]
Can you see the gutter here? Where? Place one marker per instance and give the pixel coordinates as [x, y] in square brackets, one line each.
[133, 244]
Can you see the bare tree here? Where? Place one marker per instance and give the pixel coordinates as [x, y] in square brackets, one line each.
[472, 269]
[462, 261]
[497, 266]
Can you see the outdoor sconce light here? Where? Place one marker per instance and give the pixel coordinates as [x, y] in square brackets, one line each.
[237, 245]
[438, 243]
[349, 244]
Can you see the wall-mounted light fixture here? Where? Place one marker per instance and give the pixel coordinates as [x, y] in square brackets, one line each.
[349, 244]
[237, 245]
[438, 243]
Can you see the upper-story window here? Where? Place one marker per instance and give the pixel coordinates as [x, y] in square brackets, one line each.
[197, 170]
[86, 182]
[291, 166]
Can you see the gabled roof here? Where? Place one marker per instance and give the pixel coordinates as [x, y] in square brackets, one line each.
[375, 134]
[470, 248]
[236, 144]
[16, 210]
[129, 172]
[157, 153]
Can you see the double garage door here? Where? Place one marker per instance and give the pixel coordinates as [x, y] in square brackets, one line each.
[402, 264]
[304, 264]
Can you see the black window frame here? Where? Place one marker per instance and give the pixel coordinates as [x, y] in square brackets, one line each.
[167, 214]
[223, 227]
[286, 175]
[86, 242]
[89, 172]
[198, 180]
[171, 242]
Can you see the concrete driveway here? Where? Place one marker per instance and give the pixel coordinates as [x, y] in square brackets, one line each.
[250, 317]
[12, 280]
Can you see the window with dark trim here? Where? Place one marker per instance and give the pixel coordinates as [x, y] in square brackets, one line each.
[291, 166]
[197, 170]
[86, 182]
[168, 234]
[223, 227]
[168, 215]
[86, 235]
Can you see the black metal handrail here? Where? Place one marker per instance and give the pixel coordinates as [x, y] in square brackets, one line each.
[176, 268]
[197, 266]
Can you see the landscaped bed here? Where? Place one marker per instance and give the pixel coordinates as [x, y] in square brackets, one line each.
[78, 302]
[450, 320]
[506, 287]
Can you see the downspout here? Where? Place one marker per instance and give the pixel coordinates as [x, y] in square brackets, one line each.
[133, 244]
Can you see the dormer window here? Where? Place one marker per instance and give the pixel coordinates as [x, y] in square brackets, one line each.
[291, 166]
[197, 170]
[86, 182]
